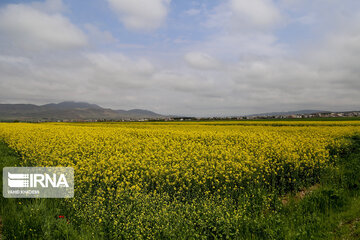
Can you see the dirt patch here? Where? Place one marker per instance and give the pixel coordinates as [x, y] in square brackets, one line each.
[300, 195]
[353, 228]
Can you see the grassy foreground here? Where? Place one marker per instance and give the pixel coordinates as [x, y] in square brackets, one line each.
[329, 211]
[34, 218]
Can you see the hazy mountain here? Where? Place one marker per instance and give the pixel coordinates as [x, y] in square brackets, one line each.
[141, 113]
[70, 105]
[70, 111]
[6, 109]
[288, 113]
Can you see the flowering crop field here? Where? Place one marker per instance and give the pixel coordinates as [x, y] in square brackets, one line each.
[155, 179]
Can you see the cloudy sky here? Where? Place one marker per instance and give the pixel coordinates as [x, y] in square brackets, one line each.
[201, 58]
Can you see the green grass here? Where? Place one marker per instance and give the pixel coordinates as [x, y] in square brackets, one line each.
[331, 211]
[34, 218]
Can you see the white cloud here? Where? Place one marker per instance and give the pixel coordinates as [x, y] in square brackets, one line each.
[117, 71]
[130, 46]
[193, 12]
[243, 28]
[245, 16]
[201, 60]
[117, 62]
[13, 60]
[28, 28]
[255, 13]
[306, 20]
[96, 35]
[52, 6]
[141, 14]
[238, 46]
[183, 82]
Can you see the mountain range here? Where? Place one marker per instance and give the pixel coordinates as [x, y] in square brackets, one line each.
[77, 111]
[70, 111]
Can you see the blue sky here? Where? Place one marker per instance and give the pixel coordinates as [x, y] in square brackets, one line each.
[202, 58]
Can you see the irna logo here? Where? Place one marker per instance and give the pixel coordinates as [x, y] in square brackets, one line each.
[38, 182]
[19, 180]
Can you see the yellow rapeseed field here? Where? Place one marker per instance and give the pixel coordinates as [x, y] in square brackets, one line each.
[184, 161]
